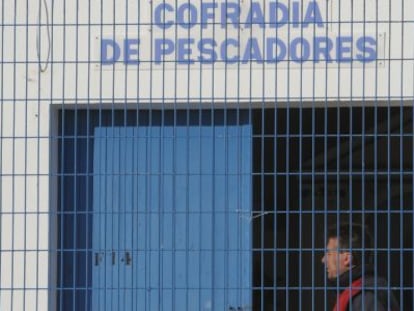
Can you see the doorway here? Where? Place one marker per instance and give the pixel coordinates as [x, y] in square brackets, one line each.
[309, 167]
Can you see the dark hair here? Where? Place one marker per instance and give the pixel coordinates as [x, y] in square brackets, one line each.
[353, 238]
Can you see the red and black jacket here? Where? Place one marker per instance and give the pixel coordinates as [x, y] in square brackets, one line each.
[363, 293]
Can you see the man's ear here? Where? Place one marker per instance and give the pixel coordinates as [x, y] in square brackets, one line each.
[347, 259]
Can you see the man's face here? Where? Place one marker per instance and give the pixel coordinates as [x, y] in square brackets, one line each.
[335, 260]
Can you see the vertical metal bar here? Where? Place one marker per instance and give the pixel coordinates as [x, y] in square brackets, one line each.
[25, 159]
[213, 207]
[262, 198]
[275, 198]
[337, 175]
[401, 173]
[287, 141]
[76, 250]
[1, 142]
[65, 176]
[147, 213]
[88, 211]
[300, 253]
[325, 173]
[275, 205]
[110, 211]
[226, 196]
[114, 209]
[38, 147]
[226, 172]
[161, 262]
[239, 284]
[200, 172]
[138, 243]
[325, 213]
[238, 101]
[401, 207]
[264, 170]
[351, 163]
[187, 171]
[98, 213]
[175, 116]
[313, 208]
[412, 181]
[374, 243]
[363, 200]
[363, 141]
[14, 175]
[351, 144]
[127, 214]
[201, 211]
[102, 279]
[187, 217]
[300, 207]
[54, 139]
[288, 211]
[159, 173]
[389, 158]
[134, 211]
[74, 213]
[124, 212]
[148, 249]
[161, 185]
[388, 199]
[135, 242]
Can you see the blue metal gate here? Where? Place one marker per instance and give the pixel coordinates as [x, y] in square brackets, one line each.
[190, 155]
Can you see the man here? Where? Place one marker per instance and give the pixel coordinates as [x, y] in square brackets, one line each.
[356, 284]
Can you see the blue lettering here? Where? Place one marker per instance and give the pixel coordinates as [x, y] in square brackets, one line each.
[343, 47]
[295, 14]
[206, 47]
[131, 48]
[274, 20]
[367, 45]
[230, 10]
[162, 47]
[252, 51]
[160, 11]
[116, 51]
[322, 47]
[300, 50]
[277, 46]
[255, 16]
[187, 15]
[224, 51]
[313, 15]
[184, 50]
[207, 13]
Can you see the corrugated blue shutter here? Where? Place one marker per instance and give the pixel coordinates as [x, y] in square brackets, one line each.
[171, 224]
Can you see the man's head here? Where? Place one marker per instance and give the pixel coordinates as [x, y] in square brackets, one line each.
[344, 248]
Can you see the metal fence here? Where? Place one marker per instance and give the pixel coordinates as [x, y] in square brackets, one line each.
[207, 155]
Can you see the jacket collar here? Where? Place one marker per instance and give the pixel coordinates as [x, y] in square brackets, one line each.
[346, 278]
